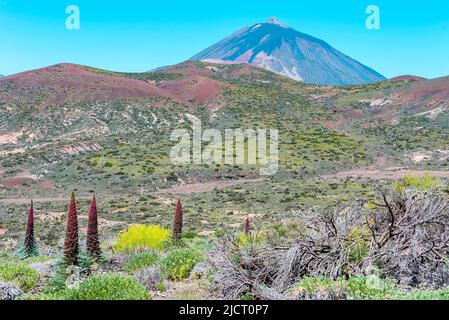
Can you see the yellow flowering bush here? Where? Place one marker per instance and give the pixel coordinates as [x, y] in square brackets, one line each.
[142, 237]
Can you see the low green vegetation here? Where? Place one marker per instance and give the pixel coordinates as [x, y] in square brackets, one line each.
[108, 287]
[19, 274]
[442, 294]
[140, 261]
[152, 262]
[156, 76]
[427, 182]
[364, 288]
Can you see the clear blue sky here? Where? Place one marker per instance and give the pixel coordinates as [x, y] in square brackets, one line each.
[141, 35]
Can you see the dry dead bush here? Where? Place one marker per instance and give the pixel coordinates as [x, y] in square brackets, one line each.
[238, 270]
[410, 238]
[406, 237]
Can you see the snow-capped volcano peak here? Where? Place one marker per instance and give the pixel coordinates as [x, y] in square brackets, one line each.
[276, 47]
[275, 21]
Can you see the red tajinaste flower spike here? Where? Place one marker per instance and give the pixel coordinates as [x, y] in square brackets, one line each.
[248, 226]
[93, 241]
[71, 243]
[177, 221]
[29, 245]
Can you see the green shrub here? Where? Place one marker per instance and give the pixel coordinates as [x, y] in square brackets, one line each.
[189, 235]
[219, 233]
[356, 288]
[244, 240]
[312, 285]
[108, 287]
[140, 261]
[161, 287]
[141, 237]
[199, 244]
[178, 264]
[427, 182]
[369, 288]
[248, 240]
[19, 274]
[56, 284]
[442, 294]
[358, 239]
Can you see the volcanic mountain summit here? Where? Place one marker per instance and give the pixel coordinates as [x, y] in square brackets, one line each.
[277, 47]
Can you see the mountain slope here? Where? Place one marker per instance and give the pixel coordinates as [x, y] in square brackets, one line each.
[281, 49]
[83, 108]
[69, 83]
[423, 95]
[71, 127]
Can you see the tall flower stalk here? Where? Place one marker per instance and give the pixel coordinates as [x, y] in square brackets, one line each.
[93, 241]
[248, 226]
[177, 221]
[71, 243]
[29, 248]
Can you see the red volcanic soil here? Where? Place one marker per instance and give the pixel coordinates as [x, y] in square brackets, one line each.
[14, 182]
[423, 95]
[354, 114]
[407, 78]
[194, 87]
[198, 84]
[68, 83]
